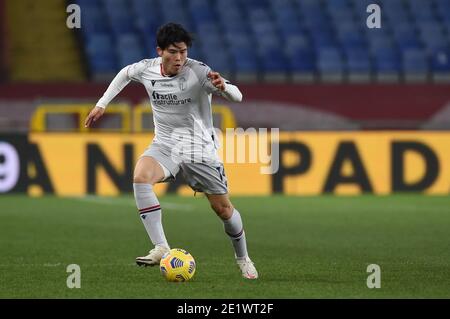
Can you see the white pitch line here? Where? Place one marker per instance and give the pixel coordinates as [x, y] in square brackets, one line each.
[130, 202]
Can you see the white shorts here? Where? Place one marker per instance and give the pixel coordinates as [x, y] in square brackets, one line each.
[209, 178]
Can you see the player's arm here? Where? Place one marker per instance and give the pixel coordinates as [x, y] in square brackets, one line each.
[121, 80]
[225, 88]
[117, 84]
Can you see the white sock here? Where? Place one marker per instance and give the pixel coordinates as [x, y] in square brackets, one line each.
[150, 213]
[235, 230]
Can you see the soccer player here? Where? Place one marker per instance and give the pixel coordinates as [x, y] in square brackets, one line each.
[180, 91]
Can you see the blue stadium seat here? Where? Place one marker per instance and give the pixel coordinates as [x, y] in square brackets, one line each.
[88, 4]
[386, 60]
[129, 56]
[314, 20]
[149, 44]
[406, 37]
[323, 38]
[263, 29]
[290, 27]
[302, 61]
[433, 36]
[394, 5]
[360, 6]
[300, 54]
[442, 9]
[129, 49]
[200, 11]
[376, 36]
[100, 54]
[147, 15]
[338, 5]
[358, 61]
[397, 16]
[414, 61]
[177, 17]
[440, 61]
[119, 16]
[254, 4]
[305, 36]
[245, 61]
[351, 37]
[329, 61]
[340, 17]
[93, 20]
[219, 61]
[196, 52]
[273, 61]
[422, 10]
[309, 4]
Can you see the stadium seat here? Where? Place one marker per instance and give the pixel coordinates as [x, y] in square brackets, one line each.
[338, 5]
[196, 52]
[100, 55]
[351, 38]
[302, 62]
[273, 64]
[387, 63]
[118, 13]
[415, 65]
[406, 37]
[358, 65]
[129, 49]
[330, 64]
[308, 34]
[94, 21]
[219, 61]
[440, 65]
[433, 36]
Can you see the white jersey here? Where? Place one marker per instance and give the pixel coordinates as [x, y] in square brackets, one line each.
[181, 105]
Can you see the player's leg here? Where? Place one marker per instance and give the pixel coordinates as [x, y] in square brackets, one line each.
[232, 222]
[147, 173]
[234, 228]
[211, 180]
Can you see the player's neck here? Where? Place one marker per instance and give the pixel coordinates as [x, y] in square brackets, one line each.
[164, 73]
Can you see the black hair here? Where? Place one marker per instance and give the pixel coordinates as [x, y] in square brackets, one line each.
[172, 33]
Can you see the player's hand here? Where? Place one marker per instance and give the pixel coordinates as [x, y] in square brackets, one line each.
[93, 116]
[217, 80]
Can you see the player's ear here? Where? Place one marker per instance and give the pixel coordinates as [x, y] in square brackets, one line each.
[159, 51]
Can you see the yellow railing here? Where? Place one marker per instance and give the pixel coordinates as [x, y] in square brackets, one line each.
[39, 119]
[132, 120]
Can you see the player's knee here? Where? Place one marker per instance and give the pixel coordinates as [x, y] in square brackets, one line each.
[223, 210]
[142, 178]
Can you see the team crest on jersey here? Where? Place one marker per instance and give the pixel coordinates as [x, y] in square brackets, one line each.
[182, 83]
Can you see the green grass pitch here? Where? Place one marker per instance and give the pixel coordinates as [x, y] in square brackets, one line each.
[303, 247]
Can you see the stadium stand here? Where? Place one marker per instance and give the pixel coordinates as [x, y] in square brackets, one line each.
[40, 41]
[283, 41]
[279, 41]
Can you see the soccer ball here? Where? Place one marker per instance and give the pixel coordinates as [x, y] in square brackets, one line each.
[177, 265]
